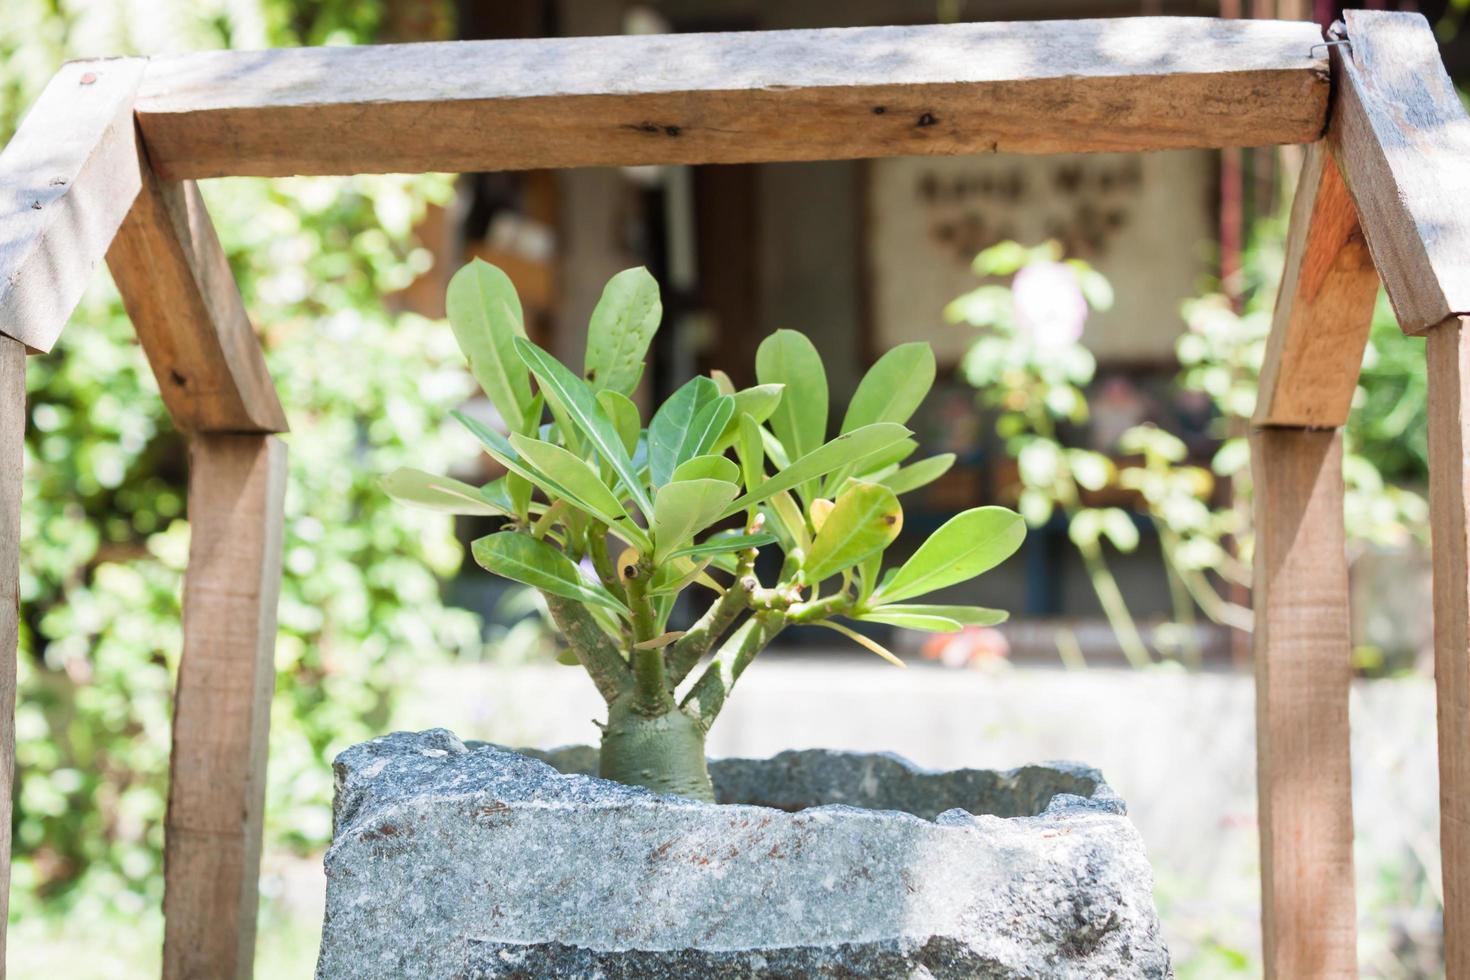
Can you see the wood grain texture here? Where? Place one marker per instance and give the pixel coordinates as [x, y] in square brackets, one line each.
[1303, 659]
[1323, 309]
[1402, 137]
[67, 178]
[1045, 87]
[178, 289]
[222, 708]
[1447, 350]
[12, 451]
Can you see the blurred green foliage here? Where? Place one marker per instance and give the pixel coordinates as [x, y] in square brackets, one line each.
[104, 537]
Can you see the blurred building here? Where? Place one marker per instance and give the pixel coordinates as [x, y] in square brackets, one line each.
[861, 255]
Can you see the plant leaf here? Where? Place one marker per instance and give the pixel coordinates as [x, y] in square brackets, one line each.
[485, 314]
[525, 559]
[968, 544]
[583, 488]
[579, 404]
[750, 449]
[963, 615]
[822, 460]
[919, 474]
[724, 543]
[622, 325]
[800, 418]
[865, 520]
[623, 414]
[671, 425]
[893, 387]
[411, 486]
[913, 621]
[675, 573]
[681, 510]
[865, 642]
[707, 427]
[758, 402]
[707, 468]
[788, 516]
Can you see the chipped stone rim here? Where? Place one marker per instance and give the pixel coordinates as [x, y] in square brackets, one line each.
[581, 760]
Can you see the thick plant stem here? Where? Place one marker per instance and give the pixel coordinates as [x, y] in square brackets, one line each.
[598, 654]
[653, 696]
[663, 752]
[707, 696]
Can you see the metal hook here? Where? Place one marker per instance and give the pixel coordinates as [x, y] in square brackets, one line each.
[1326, 44]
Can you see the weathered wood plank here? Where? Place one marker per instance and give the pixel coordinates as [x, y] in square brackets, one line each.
[1303, 658]
[67, 178]
[1402, 138]
[1324, 308]
[1045, 87]
[178, 289]
[12, 452]
[222, 708]
[1447, 350]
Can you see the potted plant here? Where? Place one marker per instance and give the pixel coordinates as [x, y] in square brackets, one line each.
[612, 519]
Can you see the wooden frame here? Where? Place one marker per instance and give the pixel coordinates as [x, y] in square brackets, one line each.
[1385, 192]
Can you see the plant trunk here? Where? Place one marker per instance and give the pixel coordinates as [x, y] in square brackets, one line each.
[663, 752]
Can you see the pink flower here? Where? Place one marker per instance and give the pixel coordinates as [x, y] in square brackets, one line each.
[1049, 304]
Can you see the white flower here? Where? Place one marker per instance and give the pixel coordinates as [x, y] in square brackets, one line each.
[1049, 304]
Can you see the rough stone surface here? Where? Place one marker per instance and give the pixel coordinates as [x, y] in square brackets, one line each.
[451, 861]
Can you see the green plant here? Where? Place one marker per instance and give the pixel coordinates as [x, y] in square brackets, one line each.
[679, 510]
[1030, 368]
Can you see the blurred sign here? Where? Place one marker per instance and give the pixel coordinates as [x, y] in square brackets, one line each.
[1144, 220]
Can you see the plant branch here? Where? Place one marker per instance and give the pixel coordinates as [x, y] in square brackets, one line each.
[685, 654]
[707, 696]
[597, 653]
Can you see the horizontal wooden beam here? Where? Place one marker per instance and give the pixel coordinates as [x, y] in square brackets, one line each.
[1044, 87]
[67, 178]
[177, 287]
[1324, 309]
[1402, 138]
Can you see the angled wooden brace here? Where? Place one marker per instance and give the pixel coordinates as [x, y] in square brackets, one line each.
[1403, 140]
[176, 283]
[1303, 645]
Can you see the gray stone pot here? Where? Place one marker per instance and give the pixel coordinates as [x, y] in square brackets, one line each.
[451, 861]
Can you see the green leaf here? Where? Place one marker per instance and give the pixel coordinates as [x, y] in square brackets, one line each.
[485, 314]
[758, 402]
[672, 423]
[963, 615]
[682, 510]
[909, 620]
[787, 513]
[919, 474]
[618, 334]
[722, 543]
[800, 418]
[886, 457]
[500, 450]
[623, 414]
[824, 459]
[675, 573]
[442, 493]
[578, 403]
[583, 487]
[868, 572]
[866, 643]
[968, 544]
[522, 558]
[865, 520]
[707, 468]
[707, 427]
[893, 387]
[752, 453]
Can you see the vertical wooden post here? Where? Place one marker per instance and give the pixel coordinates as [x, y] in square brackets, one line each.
[222, 711]
[1447, 349]
[1303, 670]
[12, 453]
